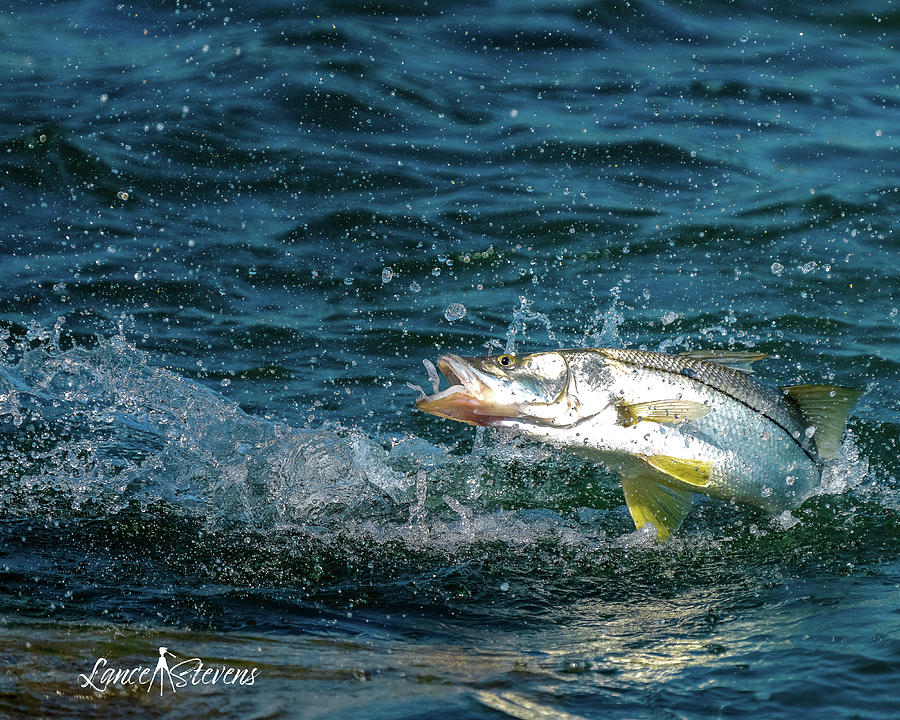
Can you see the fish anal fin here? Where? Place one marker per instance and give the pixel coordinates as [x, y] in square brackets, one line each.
[650, 501]
[824, 407]
[662, 411]
[736, 360]
[691, 472]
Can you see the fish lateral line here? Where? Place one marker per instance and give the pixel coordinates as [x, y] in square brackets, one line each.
[693, 375]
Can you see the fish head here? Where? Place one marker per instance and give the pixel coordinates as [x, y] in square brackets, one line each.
[504, 390]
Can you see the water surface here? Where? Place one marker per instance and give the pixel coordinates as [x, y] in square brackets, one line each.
[232, 234]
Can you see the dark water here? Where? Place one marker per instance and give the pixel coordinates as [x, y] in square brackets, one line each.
[231, 234]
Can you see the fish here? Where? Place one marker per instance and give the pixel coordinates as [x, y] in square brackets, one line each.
[669, 425]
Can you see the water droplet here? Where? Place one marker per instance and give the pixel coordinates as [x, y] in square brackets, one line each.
[387, 275]
[504, 586]
[743, 38]
[455, 311]
[786, 520]
[122, 195]
[669, 317]
[810, 431]
[415, 287]
[777, 268]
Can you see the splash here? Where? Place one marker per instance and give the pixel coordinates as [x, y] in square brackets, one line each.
[100, 431]
[610, 322]
[518, 328]
[846, 472]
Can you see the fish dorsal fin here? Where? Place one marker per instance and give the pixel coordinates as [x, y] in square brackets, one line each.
[662, 411]
[736, 360]
[825, 408]
[691, 472]
[651, 501]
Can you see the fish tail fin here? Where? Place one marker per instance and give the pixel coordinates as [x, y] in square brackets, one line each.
[825, 408]
[650, 501]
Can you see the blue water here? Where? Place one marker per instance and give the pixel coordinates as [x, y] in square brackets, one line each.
[233, 233]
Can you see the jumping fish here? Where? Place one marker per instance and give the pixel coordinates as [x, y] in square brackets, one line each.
[668, 425]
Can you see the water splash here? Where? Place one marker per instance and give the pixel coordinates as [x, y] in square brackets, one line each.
[101, 431]
[518, 329]
[603, 328]
[848, 471]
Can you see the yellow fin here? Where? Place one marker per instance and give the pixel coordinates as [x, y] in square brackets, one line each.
[731, 359]
[651, 501]
[825, 407]
[663, 411]
[692, 472]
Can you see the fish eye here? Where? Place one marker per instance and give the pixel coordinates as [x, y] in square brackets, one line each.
[506, 361]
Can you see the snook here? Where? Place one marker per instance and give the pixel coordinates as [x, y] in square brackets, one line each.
[668, 425]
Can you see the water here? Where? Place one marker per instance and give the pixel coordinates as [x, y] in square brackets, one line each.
[233, 234]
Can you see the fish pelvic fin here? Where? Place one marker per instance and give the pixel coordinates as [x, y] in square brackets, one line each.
[662, 411]
[649, 500]
[691, 472]
[825, 408]
[731, 359]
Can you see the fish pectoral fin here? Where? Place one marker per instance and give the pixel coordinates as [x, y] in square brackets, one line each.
[662, 411]
[735, 360]
[825, 407]
[650, 501]
[691, 472]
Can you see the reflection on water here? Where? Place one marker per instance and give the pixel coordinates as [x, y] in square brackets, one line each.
[693, 645]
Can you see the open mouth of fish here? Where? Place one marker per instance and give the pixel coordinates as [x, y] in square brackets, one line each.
[469, 398]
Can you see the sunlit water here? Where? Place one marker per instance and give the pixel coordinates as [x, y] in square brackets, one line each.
[232, 235]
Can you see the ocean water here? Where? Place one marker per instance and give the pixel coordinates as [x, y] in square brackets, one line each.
[231, 233]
